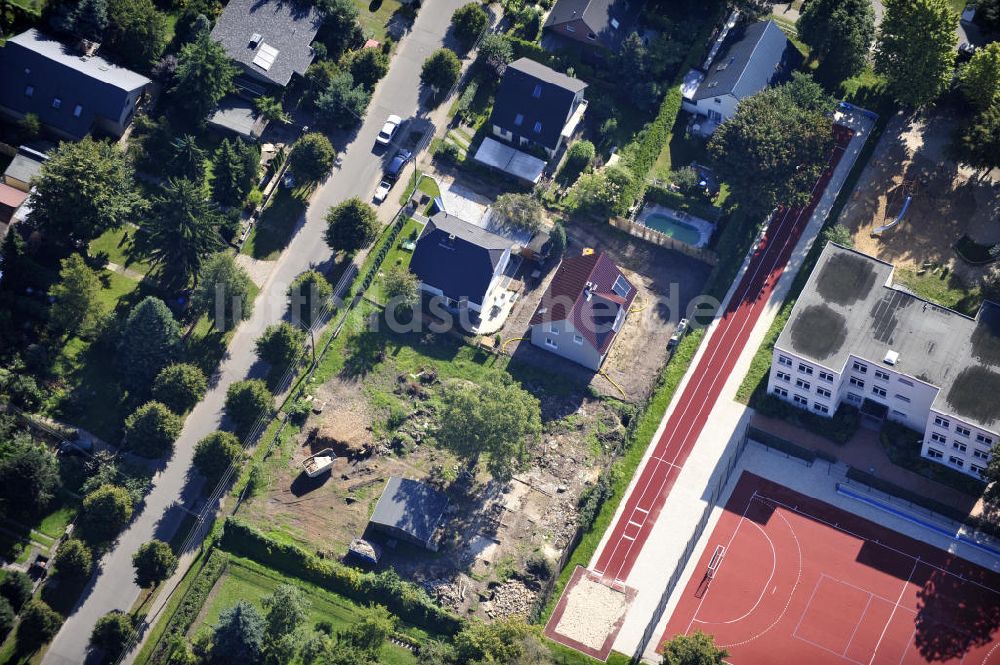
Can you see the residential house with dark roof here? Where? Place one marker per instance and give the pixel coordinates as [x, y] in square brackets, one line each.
[750, 59]
[598, 24]
[537, 106]
[461, 263]
[270, 39]
[856, 338]
[583, 309]
[410, 511]
[72, 94]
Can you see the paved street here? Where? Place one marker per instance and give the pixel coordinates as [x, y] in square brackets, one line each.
[398, 93]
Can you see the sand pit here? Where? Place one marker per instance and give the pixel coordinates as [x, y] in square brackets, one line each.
[593, 612]
[948, 201]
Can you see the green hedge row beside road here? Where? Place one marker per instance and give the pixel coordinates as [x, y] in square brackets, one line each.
[407, 601]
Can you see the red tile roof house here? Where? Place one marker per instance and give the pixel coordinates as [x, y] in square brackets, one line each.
[583, 309]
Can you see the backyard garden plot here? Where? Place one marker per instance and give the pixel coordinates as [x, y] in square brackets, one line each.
[947, 203]
[252, 582]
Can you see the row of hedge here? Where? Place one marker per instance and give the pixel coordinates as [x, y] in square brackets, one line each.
[190, 606]
[641, 153]
[839, 429]
[407, 601]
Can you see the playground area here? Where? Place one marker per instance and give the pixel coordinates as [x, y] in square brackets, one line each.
[787, 574]
[946, 201]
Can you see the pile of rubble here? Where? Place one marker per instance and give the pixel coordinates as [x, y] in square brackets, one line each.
[509, 599]
[445, 592]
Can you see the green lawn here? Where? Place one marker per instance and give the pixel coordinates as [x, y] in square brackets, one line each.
[396, 256]
[119, 249]
[427, 185]
[374, 16]
[246, 580]
[54, 524]
[273, 231]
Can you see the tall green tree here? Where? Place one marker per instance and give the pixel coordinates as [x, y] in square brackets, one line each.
[152, 430]
[696, 649]
[84, 18]
[204, 76]
[84, 189]
[496, 52]
[180, 386]
[238, 637]
[307, 297]
[39, 624]
[916, 49]
[340, 30]
[519, 211]
[215, 453]
[181, 231]
[497, 642]
[16, 587]
[224, 292]
[73, 560]
[343, 104]
[112, 632]
[368, 66]
[280, 345]
[286, 609]
[148, 343]
[137, 34]
[499, 420]
[312, 157]
[840, 35]
[351, 226]
[235, 168]
[977, 141]
[105, 513]
[468, 22]
[74, 307]
[772, 151]
[154, 562]
[440, 70]
[980, 77]
[246, 402]
[187, 158]
[29, 477]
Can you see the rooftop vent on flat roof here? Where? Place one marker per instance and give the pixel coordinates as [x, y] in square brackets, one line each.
[891, 357]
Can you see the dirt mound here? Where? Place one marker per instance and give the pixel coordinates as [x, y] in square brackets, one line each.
[351, 442]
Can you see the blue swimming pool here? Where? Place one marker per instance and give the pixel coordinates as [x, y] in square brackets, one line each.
[675, 228]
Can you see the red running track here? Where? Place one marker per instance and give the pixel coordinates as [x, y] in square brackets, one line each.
[643, 505]
[802, 581]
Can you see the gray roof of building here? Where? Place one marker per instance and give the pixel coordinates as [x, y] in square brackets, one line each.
[413, 507]
[54, 70]
[288, 27]
[237, 115]
[597, 15]
[550, 109]
[457, 257]
[27, 164]
[753, 58]
[850, 306]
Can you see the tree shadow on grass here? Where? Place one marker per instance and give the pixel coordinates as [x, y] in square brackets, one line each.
[277, 225]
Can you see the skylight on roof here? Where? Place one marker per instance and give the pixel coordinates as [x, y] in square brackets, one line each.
[621, 286]
[265, 56]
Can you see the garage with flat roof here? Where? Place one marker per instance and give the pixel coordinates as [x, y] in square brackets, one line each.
[410, 510]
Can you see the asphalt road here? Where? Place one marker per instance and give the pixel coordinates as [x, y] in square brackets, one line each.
[399, 93]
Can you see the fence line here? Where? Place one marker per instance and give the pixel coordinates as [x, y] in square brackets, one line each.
[663, 240]
[729, 464]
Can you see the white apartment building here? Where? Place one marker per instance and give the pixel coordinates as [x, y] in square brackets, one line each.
[855, 337]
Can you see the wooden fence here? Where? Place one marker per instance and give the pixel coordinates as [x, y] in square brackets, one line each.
[663, 240]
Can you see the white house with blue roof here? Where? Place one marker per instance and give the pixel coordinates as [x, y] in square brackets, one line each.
[750, 59]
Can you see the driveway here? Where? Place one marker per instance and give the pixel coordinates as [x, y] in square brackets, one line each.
[161, 515]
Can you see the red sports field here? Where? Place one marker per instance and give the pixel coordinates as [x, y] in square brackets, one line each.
[804, 582]
[642, 506]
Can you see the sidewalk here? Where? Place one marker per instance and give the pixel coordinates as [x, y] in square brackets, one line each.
[865, 452]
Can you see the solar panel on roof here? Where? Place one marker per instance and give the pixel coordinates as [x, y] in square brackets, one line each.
[265, 56]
